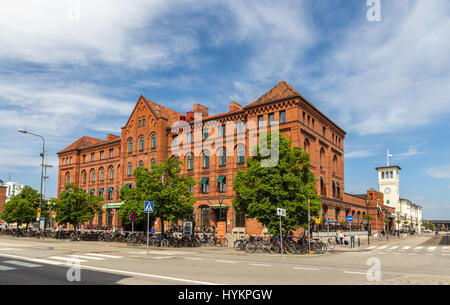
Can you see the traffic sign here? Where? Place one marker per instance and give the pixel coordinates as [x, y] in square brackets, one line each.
[133, 217]
[281, 212]
[38, 213]
[328, 220]
[349, 218]
[148, 206]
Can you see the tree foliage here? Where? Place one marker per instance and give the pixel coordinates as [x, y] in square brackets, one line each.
[22, 208]
[287, 184]
[75, 206]
[165, 186]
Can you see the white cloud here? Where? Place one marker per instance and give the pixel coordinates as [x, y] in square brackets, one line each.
[442, 171]
[361, 153]
[390, 75]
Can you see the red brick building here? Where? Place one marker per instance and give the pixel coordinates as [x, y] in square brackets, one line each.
[2, 199]
[212, 150]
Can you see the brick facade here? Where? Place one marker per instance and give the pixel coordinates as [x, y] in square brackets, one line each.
[148, 137]
[2, 199]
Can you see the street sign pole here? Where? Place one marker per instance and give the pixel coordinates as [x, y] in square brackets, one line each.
[148, 224]
[281, 238]
[309, 236]
[132, 227]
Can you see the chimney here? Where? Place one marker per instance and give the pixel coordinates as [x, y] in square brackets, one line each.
[190, 116]
[235, 106]
[202, 109]
[111, 137]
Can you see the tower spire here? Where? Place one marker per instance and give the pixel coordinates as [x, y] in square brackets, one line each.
[388, 155]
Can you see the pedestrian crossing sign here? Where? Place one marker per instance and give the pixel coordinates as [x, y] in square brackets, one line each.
[148, 206]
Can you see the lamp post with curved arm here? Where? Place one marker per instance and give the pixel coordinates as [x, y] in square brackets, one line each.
[42, 163]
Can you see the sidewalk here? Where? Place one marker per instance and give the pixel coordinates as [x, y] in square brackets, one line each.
[373, 242]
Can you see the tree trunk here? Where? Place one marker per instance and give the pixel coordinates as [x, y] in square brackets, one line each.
[162, 225]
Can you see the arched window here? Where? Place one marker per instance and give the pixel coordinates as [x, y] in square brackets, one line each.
[239, 127]
[153, 141]
[190, 163]
[334, 165]
[68, 178]
[382, 175]
[130, 146]
[93, 175]
[338, 211]
[130, 169]
[306, 146]
[240, 155]
[206, 159]
[143, 122]
[111, 173]
[102, 174]
[334, 189]
[223, 157]
[84, 177]
[392, 174]
[141, 164]
[100, 192]
[322, 155]
[141, 144]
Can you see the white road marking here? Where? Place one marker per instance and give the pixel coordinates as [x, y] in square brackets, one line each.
[431, 248]
[194, 258]
[418, 248]
[446, 249]
[87, 257]
[68, 259]
[45, 261]
[394, 247]
[262, 265]
[10, 249]
[226, 262]
[104, 255]
[6, 268]
[406, 247]
[113, 271]
[353, 272]
[303, 268]
[382, 247]
[412, 253]
[23, 264]
[446, 254]
[372, 247]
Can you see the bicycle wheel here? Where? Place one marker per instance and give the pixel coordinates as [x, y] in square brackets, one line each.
[250, 248]
[165, 243]
[289, 249]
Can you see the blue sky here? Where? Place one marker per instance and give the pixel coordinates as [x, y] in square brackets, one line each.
[386, 83]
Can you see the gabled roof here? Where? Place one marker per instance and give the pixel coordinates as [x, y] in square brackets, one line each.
[280, 92]
[82, 143]
[162, 111]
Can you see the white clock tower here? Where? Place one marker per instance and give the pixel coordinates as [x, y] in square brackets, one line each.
[389, 184]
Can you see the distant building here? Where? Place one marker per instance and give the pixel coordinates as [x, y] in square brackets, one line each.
[409, 213]
[12, 189]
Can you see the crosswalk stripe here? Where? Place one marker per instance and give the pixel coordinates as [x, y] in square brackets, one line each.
[10, 249]
[446, 249]
[372, 247]
[394, 247]
[23, 264]
[45, 261]
[87, 257]
[382, 247]
[104, 255]
[227, 262]
[68, 259]
[418, 248]
[6, 268]
[406, 247]
[431, 248]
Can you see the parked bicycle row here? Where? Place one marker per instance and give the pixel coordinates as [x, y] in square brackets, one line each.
[168, 239]
[290, 245]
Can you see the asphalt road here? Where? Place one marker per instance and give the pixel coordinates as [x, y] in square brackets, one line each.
[417, 260]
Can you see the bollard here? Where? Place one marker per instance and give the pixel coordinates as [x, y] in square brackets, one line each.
[359, 242]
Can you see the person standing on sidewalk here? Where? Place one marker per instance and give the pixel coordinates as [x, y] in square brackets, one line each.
[341, 237]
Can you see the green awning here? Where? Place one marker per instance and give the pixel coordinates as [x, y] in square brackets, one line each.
[110, 190]
[100, 190]
[218, 206]
[117, 190]
[220, 179]
[204, 180]
[92, 191]
[112, 205]
[128, 185]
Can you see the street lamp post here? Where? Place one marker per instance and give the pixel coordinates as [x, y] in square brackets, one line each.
[368, 221]
[42, 163]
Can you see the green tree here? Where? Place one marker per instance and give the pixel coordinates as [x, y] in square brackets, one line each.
[22, 208]
[287, 184]
[165, 186]
[75, 206]
[18, 210]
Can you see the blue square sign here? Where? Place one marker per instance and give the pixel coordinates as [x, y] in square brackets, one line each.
[148, 206]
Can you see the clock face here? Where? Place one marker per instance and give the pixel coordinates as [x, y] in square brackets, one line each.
[387, 190]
